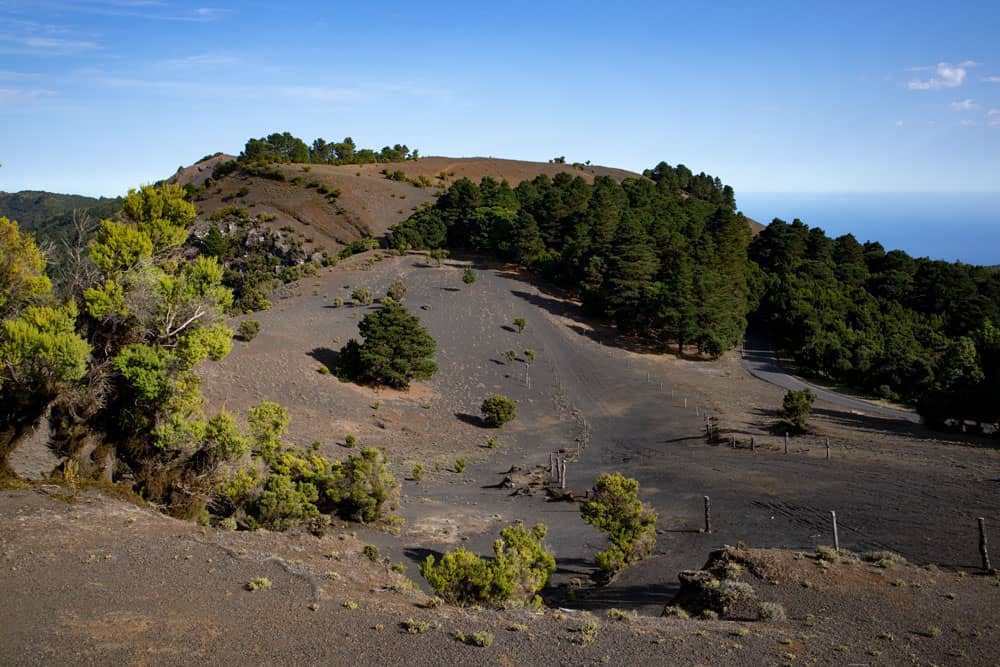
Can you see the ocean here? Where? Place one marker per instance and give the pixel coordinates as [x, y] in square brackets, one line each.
[950, 226]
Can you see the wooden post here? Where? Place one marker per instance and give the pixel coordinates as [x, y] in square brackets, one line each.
[734, 442]
[982, 544]
[836, 537]
[647, 377]
[562, 475]
[786, 442]
[753, 444]
[828, 449]
[685, 403]
[708, 515]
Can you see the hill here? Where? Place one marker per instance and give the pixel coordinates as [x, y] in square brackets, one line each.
[372, 197]
[32, 207]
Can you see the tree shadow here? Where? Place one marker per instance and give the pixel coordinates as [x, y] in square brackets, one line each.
[577, 566]
[474, 420]
[901, 427]
[450, 289]
[418, 554]
[601, 598]
[326, 356]
[507, 327]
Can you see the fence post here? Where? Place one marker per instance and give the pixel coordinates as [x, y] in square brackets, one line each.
[786, 442]
[562, 474]
[836, 537]
[828, 449]
[982, 544]
[708, 515]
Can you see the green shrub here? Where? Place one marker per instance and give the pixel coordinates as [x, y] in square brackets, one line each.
[371, 553]
[396, 291]
[519, 570]
[797, 407]
[468, 276]
[249, 329]
[350, 441]
[366, 491]
[770, 611]
[418, 472]
[481, 639]
[459, 465]
[520, 323]
[615, 508]
[498, 410]
[260, 583]
[828, 554]
[362, 296]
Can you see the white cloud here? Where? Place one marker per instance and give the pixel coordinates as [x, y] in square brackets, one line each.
[947, 76]
[12, 98]
[44, 46]
[964, 105]
[993, 118]
[211, 59]
[968, 122]
[991, 79]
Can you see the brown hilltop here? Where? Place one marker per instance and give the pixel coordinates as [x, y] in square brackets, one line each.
[369, 202]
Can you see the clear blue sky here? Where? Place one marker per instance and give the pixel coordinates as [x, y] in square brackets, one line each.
[100, 95]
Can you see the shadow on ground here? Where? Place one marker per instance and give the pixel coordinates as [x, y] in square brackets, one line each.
[326, 356]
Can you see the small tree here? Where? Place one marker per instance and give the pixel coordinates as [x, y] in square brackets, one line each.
[797, 407]
[615, 508]
[529, 356]
[510, 356]
[468, 276]
[498, 410]
[397, 349]
[520, 323]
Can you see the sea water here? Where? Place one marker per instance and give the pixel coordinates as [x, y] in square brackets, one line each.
[953, 226]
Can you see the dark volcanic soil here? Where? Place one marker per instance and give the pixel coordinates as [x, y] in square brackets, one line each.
[893, 485]
[98, 581]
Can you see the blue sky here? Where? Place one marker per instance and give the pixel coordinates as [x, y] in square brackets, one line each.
[97, 96]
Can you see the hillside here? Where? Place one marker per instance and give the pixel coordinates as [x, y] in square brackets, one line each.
[369, 203]
[49, 216]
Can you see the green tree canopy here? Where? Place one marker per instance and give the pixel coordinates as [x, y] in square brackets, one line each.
[396, 349]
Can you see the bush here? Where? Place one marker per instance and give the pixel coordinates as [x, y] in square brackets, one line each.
[797, 407]
[396, 291]
[498, 410]
[362, 296]
[468, 276]
[521, 567]
[366, 491]
[615, 508]
[520, 323]
[770, 611]
[249, 329]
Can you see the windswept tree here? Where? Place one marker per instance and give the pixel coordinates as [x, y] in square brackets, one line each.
[151, 316]
[614, 507]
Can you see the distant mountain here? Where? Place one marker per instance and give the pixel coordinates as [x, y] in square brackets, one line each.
[48, 215]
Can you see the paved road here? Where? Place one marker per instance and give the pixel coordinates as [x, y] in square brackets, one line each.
[762, 363]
